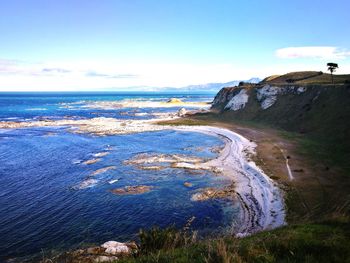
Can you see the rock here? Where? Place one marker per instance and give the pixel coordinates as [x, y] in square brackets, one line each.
[101, 154]
[105, 259]
[238, 101]
[267, 95]
[108, 252]
[188, 184]
[174, 100]
[182, 112]
[92, 161]
[115, 248]
[130, 190]
[86, 183]
[79, 252]
[95, 250]
[103, 170]
[301, 90]
[213, 193]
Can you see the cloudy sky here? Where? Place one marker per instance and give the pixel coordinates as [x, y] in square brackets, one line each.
[100, 44]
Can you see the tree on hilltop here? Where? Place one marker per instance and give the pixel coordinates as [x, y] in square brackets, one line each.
[332, 67]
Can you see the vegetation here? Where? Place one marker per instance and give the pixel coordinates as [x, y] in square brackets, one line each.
[317, 242]
[319, 117]
[332, 67]
[184, 121]
[307, 78]
[169, 238]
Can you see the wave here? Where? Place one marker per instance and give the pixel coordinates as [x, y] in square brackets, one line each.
[36, 109]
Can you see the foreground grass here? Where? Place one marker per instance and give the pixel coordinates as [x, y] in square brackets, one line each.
[318, 242]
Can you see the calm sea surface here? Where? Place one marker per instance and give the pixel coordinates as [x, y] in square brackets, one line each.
[41, 207]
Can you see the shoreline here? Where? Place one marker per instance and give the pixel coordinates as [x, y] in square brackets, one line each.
[260, 197]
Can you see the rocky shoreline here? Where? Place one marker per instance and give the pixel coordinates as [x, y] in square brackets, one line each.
[260, 197]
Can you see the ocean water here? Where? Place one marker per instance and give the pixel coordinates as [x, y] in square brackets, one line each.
[42, 204]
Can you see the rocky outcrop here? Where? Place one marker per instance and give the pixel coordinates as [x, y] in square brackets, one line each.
[224, 96]
[110, 251]
[238, 101]
[132, 190]
[236, 98]
[214, 193]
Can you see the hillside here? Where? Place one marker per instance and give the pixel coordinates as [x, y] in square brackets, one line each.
[306, 77]
[318, 111]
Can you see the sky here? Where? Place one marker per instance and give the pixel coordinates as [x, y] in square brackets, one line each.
[140, 44]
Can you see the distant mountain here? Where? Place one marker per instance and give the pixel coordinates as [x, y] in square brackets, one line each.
[217, 86]
[199, 88]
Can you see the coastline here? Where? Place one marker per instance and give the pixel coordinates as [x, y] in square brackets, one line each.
[260, 197]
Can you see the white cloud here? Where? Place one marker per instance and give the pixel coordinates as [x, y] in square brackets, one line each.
[94, 75]
[313, 52]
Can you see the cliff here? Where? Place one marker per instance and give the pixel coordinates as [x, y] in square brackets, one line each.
[301, 105]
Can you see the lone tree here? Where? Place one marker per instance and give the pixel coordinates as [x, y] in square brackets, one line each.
[332, 67]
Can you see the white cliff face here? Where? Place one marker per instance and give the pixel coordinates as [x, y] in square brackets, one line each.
[238, 102]
[236, 98]
[267, 95]
[301, 90]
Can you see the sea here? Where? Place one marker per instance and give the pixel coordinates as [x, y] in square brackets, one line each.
[43, 210]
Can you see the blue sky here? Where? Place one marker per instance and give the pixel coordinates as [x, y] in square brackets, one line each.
[75, 45]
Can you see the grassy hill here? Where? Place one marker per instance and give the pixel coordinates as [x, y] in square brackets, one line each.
[321, 114]
[306, 78]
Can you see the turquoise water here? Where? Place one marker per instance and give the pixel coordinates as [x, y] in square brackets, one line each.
[43, 209]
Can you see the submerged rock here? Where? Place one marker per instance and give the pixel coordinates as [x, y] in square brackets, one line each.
[213, 193]
[103, 170]
[131, 190]
[92, 161]
[101, 154]
[87, 183]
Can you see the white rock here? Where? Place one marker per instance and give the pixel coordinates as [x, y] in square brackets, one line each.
[267, 95]
[114, 247]
[238, 101]
[301, 90]
[182, 112]
[87, 183]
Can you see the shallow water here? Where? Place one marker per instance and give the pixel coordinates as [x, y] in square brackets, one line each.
[43, 207]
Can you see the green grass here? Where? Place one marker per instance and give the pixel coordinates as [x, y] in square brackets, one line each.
[307, 78]
[318, 242]
[183, 121]
[330, 152]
